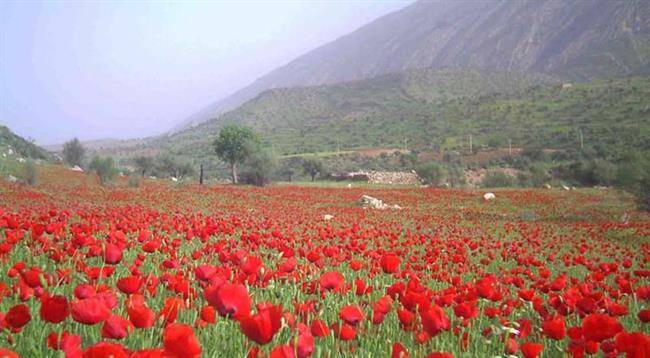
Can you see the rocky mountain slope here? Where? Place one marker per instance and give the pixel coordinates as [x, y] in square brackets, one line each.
[577, 40]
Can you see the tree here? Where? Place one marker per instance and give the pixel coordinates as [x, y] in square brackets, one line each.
[73, 152]
[104, 167]
[144, 164]
[431, 173]
[259, 167]
[313, 167]
[234, 145]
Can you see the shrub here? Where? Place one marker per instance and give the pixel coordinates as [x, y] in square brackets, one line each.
[29, 173]
[312, 167]
[259, 168]
[73, 152]
[134, 181]
[431, 173]
[497, 179]
[104, 168]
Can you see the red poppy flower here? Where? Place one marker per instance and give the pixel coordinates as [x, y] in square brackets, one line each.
[351, 314]
[112, 254]
[599, 327]
[105, 350]
[332, 281]
[230, 300]
[179, 341]
[434, 320]
[390, 263]
[399, 351]
[305, 343]
[129, 285]
[264, 325]
[633, 344]
[283, 351]
[54, 309]
[440, 355]
[319, 328]
[18, 316]
[139, 314]
[90, 311]
[531, 350]
[116, 327]
[554, 328]
[344, 332]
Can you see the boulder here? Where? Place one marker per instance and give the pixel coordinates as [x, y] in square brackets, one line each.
[328, 217]
[489, 196]
[367, 201]
[76, 168]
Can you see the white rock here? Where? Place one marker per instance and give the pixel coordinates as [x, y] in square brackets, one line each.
[566, 187]
[152, 177]
[174, 179]
[367, 201]
[76, 168]
[12, 179]
[349, 185]
[328, 217]
[21, 160]
[489, 196]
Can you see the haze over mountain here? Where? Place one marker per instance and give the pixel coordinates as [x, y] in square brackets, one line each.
[577, 40]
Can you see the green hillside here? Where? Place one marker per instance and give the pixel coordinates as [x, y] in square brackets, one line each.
[430, 109]
[20, 146]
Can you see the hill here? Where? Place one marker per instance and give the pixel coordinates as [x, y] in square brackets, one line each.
[13, 143]
[432, 110]
[578, 40]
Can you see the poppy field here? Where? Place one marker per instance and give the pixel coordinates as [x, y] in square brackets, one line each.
[165, 270]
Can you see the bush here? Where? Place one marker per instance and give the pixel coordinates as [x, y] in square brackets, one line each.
[497, 179]
[259, 168]
[29, 173]
[431, 173]
[104, 168]
[73, 152]
[456, 176]
[312, 167]
[134, 181]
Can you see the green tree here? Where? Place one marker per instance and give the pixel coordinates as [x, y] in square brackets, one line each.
[234, 145]
[73, 152]
[104, 167]
[312, 167]
[259, 167]
[144, 164]
[431, 173]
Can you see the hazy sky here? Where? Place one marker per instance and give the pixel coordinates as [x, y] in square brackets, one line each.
[132, 68]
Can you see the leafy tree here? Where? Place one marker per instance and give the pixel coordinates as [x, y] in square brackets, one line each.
[104, 168]
[73, 152]
[234, 145]
[456, 176]
[312, 167]
[431, 173]
[144, 164]
[260, 166]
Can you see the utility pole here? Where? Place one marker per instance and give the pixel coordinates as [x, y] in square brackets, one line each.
[510, 147]
[201, 175]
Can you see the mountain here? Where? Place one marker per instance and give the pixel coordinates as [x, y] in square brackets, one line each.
[11, 142]
[431, 109]
[578, 40]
